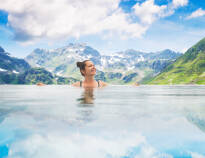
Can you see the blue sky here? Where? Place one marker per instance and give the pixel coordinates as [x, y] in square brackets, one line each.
[106, 25]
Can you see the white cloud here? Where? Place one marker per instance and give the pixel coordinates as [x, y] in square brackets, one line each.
[197, 13]
[65, 18]
[196, 155]
[70, 145]
[148, 12]
[60, 19]
[179, 3]
[80, 145]
[175, 4]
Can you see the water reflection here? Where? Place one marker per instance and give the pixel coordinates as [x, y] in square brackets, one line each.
[4, 113]
[196, 116]
[86, 101]
[154, 122]
[87, 97]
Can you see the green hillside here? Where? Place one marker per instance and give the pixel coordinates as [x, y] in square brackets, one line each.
[187, 69]
[36, 75]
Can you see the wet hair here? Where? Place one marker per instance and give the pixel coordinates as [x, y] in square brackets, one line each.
[81, 66]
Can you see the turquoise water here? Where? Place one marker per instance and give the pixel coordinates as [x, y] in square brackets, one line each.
[113, 122]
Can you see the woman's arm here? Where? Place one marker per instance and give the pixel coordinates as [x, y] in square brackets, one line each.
[76, 84]
[103, 84]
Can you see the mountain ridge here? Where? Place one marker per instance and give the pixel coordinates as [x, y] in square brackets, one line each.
[62, 61]
[187, 69]
[125, 67]
[18, 71]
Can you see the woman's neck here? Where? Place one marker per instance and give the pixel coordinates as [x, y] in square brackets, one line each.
[89, 79]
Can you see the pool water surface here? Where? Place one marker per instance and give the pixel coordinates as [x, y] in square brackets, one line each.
[60, 121]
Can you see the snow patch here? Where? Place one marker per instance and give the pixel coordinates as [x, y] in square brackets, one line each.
[71, 49]
[15, 72]
[89, 56]
[130, 68]
[60, 73]
[103, 61]
[82, 49]
[49, 70]
[69, 56]
[3, 70]
[120, 55]
[140, 59]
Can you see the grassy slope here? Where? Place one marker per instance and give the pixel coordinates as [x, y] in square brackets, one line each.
[187, 69]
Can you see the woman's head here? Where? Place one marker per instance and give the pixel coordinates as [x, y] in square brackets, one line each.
[87, 68]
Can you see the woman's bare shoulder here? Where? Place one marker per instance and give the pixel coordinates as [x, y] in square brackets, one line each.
[103, 84]
[76, 84]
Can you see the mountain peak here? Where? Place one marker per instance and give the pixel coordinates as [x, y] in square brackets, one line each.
[132, 51]
[1, 49]
[167, 50]
[77, 45]
[3, 52]
[39, 51]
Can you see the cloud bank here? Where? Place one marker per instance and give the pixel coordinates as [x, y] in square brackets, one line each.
[199, 12]
[86, 146]
[58, 19]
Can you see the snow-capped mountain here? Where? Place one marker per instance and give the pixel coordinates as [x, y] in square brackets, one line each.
[131, 59]
[11, 67]
[118, 67]
[18, 71]
[11, 64]
[62, 60]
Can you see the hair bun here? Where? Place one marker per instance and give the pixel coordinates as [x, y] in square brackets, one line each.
[79, 64]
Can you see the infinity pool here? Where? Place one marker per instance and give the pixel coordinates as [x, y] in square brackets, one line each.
[112, 122]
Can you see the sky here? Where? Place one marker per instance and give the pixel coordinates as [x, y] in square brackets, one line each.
[106, 25]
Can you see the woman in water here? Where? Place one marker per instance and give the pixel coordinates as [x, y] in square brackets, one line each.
[88, 71]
